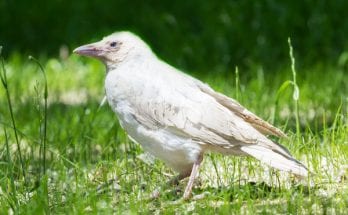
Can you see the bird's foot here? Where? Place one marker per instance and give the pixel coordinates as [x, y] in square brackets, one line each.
[186, 196]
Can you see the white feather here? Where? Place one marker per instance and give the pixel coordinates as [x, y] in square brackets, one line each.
[276, 160]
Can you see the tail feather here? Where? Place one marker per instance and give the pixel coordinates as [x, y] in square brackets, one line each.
[276, 160]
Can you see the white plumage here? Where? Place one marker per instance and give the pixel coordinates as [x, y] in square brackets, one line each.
[178, 118]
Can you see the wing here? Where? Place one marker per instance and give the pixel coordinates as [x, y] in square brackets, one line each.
[198, 120]
[191, 109]
[259, 124]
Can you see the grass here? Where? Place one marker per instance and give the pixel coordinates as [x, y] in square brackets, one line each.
[88, 165]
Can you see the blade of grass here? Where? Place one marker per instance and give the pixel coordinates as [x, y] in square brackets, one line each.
[237, 83]
[296, 94]
[4, 81]
[10, 165]
[280, 91]
[213, 161]
[44, 130]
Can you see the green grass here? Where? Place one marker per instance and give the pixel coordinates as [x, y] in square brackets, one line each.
[92, 167]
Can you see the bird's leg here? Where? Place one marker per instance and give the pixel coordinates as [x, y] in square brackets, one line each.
[192, 172]
[193, 176]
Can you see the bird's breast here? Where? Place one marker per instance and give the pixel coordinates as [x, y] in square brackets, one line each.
[127, 98]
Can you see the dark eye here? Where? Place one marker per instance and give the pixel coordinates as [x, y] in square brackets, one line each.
[113, 44]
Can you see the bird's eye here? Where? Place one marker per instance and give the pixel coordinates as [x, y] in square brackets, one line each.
[113, 44]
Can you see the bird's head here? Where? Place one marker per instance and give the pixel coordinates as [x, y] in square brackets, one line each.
[116, 48]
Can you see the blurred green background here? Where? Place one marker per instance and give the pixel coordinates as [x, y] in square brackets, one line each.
[194, 35]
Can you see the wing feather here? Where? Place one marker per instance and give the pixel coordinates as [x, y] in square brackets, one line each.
[259, 124]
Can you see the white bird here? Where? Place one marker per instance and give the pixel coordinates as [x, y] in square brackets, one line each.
[176, 117]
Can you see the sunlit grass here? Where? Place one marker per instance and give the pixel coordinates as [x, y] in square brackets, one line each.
[91, 165]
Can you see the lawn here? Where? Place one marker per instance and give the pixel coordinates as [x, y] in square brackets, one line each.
[91, 166]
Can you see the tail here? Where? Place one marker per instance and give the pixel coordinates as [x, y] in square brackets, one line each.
[276, 159]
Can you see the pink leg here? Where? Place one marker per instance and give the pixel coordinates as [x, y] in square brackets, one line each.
[193, 176]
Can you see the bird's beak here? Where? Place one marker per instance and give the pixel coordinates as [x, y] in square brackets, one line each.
[92, 50]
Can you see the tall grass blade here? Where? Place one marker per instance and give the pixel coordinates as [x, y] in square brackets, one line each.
[4, 82]
[296, 93]
[43, 131]
[280, 91]
[10, 164]
[237, 83]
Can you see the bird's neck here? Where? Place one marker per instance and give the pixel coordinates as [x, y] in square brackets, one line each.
[111, 66]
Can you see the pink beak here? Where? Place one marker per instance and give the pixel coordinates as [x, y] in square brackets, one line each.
[92, 50]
